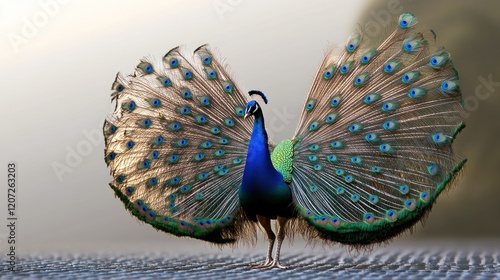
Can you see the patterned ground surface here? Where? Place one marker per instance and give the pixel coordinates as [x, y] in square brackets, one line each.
[391, 262]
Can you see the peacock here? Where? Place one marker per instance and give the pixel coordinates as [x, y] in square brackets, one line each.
[189, 154]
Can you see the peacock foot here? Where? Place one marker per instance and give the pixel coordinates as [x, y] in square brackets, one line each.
[264, 264]
[276, 264]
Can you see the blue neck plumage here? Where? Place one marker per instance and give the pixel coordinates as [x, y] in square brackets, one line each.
[258, 157]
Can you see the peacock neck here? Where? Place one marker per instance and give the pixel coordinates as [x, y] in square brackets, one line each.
[258, 157]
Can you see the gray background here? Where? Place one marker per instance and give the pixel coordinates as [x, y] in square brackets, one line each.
[56, 85]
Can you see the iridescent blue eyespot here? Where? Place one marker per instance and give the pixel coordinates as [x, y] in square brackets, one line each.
[204, 100]
[165, 81]
[390, 125]
[206, 60]
[361, 79]
[373, 199]
[410, 77]
[155, 102]
[146, 67]
[218, 168]
[223, 172]
[120, 88]
[335, 101]
[330, 118]
[376, 169]
[314, 147]
[172, 182]
[417, 92]
[155, 154]
[200, 119]
[372, 137]
[120, 178]
[310, 104]
[185, 188]
[158, 140]
[145, 123]
[175, 126]
[202, 176]
[219, 153]
[130, 144]
[239, 111]
[145, 164]
[181, 143]
[187, 74]
[404, 189]
[130, 190]
[424, 196]
[332, 158]
[199, 157]
[337, 144]
[130, 105]
[314, 126]
[438, 60]
[357, 160]
[355, 127]
[339, 171]
[410, 204]
[392, 67]
[215, 130]
[386, 148]
[449, 86]
[198, 196]
[407, 20]
[389, 106]
[152, 182]
[211, 74]
[229, 122]
[328, 73]
[318, 167]
[439, 138]
[173, 62]
[173, 158]
[432, 169]
[111, 156]
[348, 178]
[112, 129]
[371, 97]
[184, 110]
[186, 93]
[340, 190]
[354, 197]
[228, 87]
[368, 218]
[313, 158]
[346, 67]
[367, 57]
[205, 145]
[223, 141]
[391, 215]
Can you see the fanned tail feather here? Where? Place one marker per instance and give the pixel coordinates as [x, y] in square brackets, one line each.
[373, 146]
[176, 146]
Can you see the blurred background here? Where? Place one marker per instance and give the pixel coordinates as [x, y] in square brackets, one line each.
[59, 58]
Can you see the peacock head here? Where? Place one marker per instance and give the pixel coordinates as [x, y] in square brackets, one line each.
[252, 106]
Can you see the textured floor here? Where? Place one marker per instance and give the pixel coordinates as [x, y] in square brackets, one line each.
[407, 263]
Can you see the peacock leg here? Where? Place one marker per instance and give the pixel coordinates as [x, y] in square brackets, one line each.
[266, 224]
[281, 236]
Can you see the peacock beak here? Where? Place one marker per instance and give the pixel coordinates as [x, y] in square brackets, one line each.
[246, 115]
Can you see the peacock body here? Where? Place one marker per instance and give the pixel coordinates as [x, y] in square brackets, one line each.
[371, 153]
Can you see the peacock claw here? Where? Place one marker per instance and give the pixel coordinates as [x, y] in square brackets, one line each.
[264, 264]
[277, 264]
